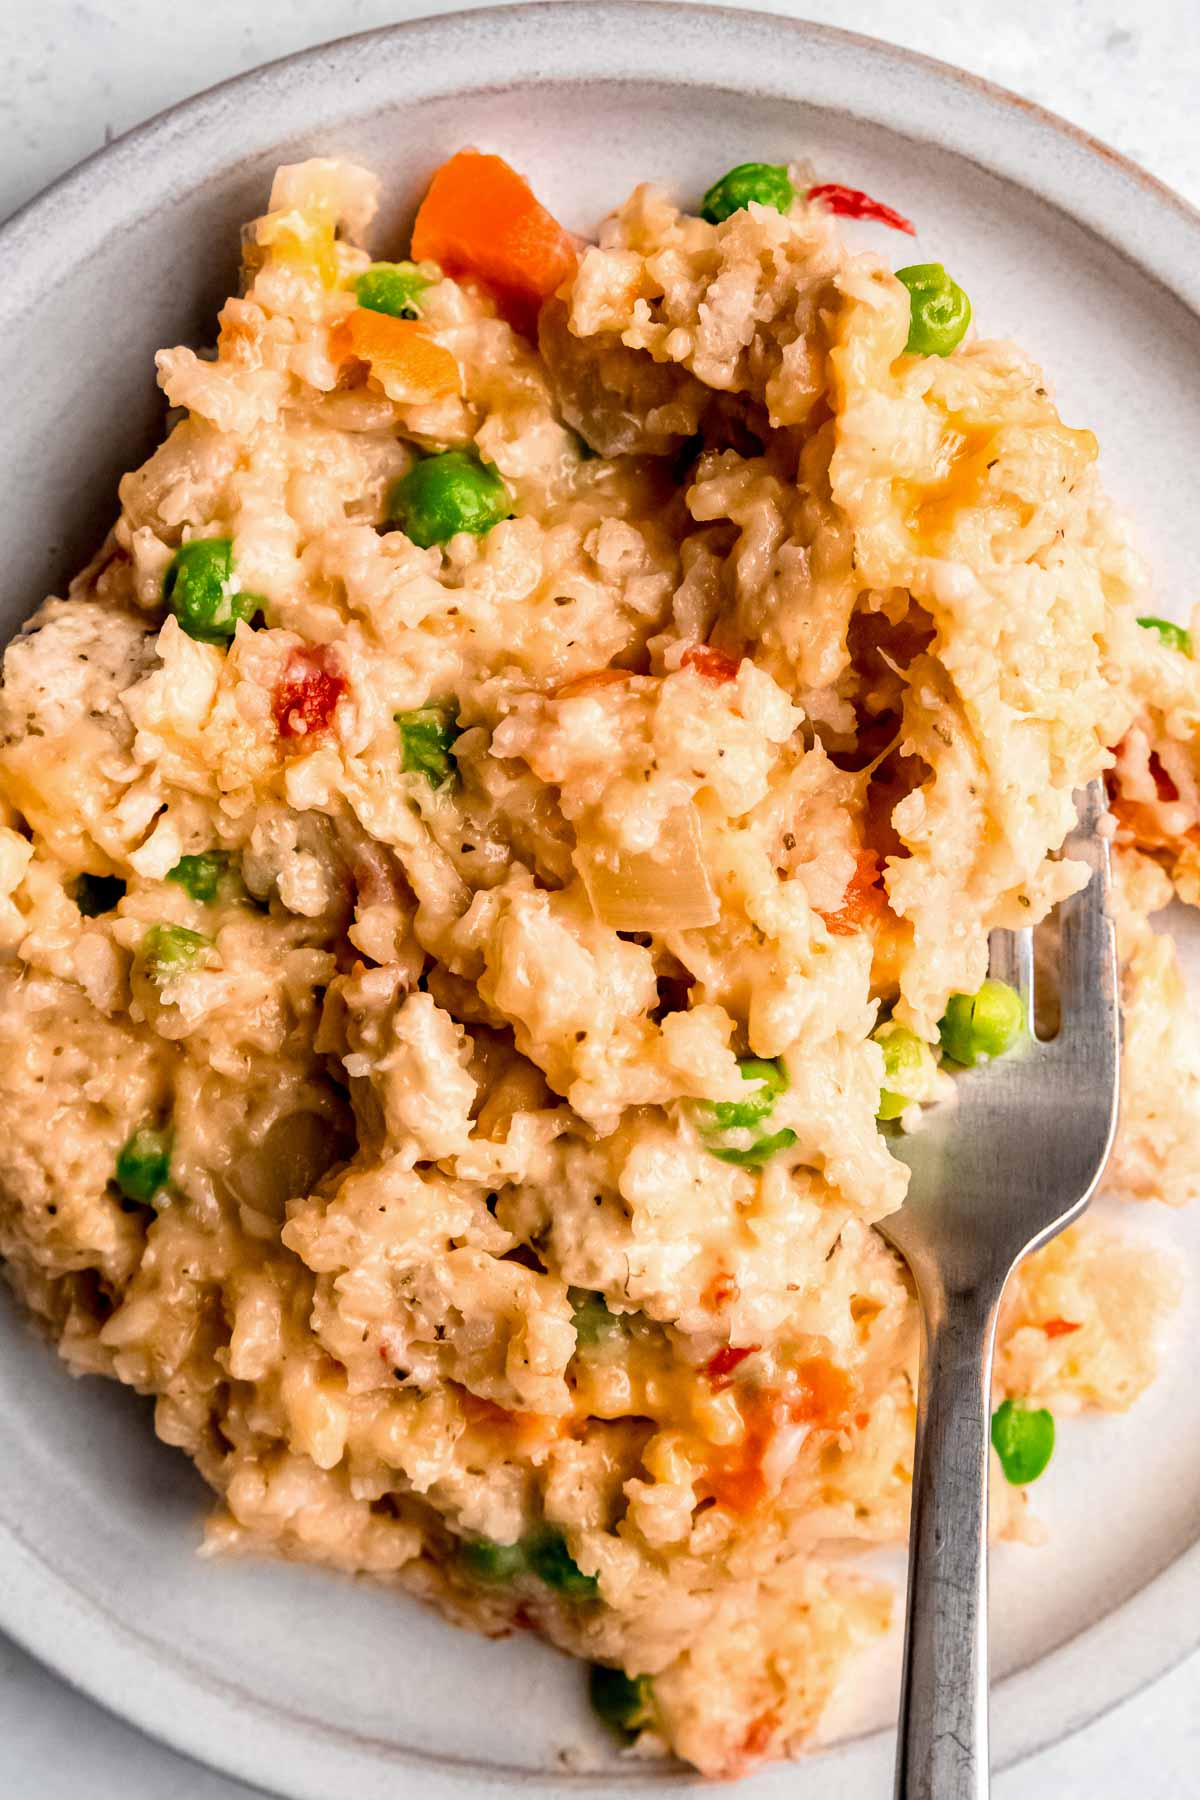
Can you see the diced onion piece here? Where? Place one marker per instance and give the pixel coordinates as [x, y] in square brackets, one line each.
[664, 890]
[305, 237]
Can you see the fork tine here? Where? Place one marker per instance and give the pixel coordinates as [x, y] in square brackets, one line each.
[1087, 943]
[1010, 959]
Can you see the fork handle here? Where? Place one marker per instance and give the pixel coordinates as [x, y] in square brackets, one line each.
[942, 1750]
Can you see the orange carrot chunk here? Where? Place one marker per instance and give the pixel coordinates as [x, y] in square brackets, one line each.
[758, 1738]
[481, 219]
[722, 1288]
[404, 359]
[823, 1392]
[821, 1395]
[740, 1488]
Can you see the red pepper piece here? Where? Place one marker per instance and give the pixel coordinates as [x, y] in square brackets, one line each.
[713, 664]
[852, 203]
[864, 898]
[719, 1367]
[308, 693]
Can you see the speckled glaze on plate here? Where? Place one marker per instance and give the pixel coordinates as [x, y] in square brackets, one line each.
[306, 1683]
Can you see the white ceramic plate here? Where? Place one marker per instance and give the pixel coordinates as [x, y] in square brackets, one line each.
[303, 1682]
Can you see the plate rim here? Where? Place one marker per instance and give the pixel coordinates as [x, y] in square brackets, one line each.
[40, 1607]
[73, 188]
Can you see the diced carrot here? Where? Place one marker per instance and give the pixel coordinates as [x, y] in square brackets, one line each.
[735, 1476]
[713, 664]
[759, 1736]
[823, 1393]
[864, 898]
[720, 1367]
[529, 1431]
[591, 682]
[1060, 1327]
[480, 218]
[720, 1290]
[821, 1396]
[404, 359]
[740, 1488]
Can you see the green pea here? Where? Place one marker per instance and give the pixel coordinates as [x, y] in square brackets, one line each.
[766, 184]
[976, 1027]
[97, 894]
[552, 1562]
[719, 1116]
[907, 1066]
[427, 739]
[203, 592]
[1175, 637]
[590, 1316]
[443, 495]
[395, 288]
[757, 1154]
[741, 1114]
[939, 311]
[201, 875]
[169, 950]
[1023, 1440]
[625, 1703]
[143, 1164]
[485, 1560]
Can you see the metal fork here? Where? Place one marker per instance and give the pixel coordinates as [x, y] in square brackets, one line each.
[994, 1176]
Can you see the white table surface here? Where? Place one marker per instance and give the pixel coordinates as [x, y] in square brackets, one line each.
[74, 73]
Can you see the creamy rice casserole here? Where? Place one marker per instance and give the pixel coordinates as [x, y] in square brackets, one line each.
[494, 847]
